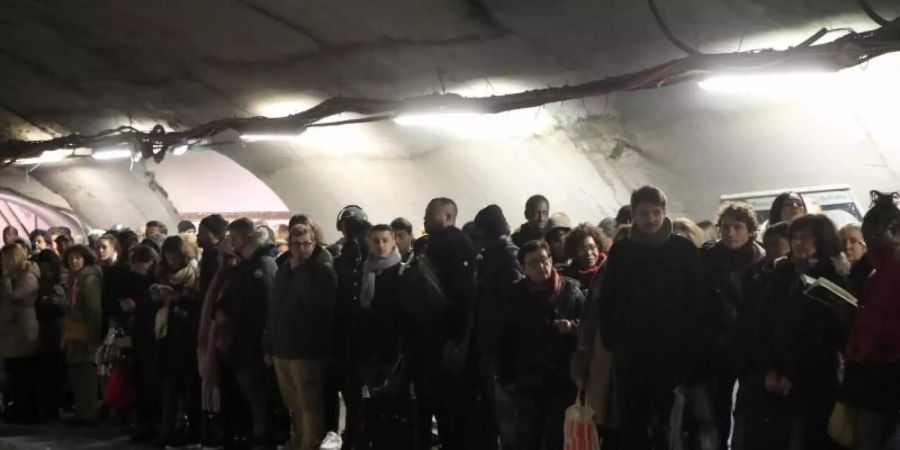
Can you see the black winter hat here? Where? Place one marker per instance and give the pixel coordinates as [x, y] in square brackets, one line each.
[185, 226]
[216, 224]
[491, 222]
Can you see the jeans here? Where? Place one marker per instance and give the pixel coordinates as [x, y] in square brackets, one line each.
[83, 380]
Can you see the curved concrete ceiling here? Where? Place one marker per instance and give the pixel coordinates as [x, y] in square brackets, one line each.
[82, 66]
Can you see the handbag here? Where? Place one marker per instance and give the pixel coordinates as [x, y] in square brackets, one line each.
[119, 393]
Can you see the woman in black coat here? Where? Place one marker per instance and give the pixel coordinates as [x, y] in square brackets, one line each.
[793, 342]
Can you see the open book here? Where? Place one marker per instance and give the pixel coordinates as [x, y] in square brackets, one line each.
[830, 294]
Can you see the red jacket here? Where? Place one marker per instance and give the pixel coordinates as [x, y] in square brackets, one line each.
[875, 337]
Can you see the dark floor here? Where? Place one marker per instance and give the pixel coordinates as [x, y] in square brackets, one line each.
[59, 436]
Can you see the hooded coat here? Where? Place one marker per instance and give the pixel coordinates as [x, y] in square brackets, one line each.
[19, 330]
[83, 332]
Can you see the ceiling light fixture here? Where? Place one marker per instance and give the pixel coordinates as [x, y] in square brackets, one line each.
[766, 84]
[180, 150]
[109, 154]
[49, 156]
[270, 137]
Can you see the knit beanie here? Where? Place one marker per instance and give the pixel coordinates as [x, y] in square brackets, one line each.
[491, 222]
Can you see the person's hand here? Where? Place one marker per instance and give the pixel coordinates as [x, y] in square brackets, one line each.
[564, 326]
[127, 304]
[771, 382]
[784, 386]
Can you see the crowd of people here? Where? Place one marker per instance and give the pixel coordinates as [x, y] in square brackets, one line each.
[677, 335]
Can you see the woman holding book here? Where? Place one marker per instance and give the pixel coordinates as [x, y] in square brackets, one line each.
[789, 381]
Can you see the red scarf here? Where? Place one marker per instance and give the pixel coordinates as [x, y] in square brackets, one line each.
[546, 291]
[586, 276]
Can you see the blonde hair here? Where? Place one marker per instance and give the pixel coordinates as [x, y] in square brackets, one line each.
[15, 258]
[689, 229]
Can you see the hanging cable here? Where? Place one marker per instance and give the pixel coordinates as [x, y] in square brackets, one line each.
[872, 14]
[665, 29]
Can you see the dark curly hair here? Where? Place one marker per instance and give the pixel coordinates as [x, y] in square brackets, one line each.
[828, 242]
[575, 237]
[883, 217]
[88, 255]
[740, 212]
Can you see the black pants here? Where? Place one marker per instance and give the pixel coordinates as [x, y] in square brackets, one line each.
[181, 390]
[446, 397]
[386, 423]
[645, 403]
[541, 414]
[23, 388]
[343, 379]
[50, 382]
[246, 400]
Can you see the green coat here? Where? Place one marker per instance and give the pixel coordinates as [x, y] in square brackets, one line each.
[87, 311]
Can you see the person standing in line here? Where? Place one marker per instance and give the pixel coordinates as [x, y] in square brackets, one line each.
[299, 331]
[19, 331]
[649, 310]
[537, 344]
[82, 333]
[537, 214]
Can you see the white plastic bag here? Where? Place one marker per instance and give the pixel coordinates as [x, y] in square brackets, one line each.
[580, 431]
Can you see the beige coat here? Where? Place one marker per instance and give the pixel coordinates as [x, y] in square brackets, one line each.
[19, 329]
[592, 362]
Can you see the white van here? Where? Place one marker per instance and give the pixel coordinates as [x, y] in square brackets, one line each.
[837, 202]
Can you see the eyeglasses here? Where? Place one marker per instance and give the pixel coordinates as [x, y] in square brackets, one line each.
[544, 261]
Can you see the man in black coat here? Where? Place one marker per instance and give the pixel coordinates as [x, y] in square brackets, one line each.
[498, 270]
[343, 374]
[649, 310]
[245, 305]
[440, 294]
[212, 231]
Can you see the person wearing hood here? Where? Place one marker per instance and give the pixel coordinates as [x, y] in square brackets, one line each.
[873, 354]
[498, 270]
[349, 269]
[585, 247]
[382, 343]
[649, 308]
[789, 383]
[537, 214]
[724, 264]
[82, 333]
[299, 332]
[538, 341]
[244, 305]
[19, 331]
[440, 295]
[560, 225]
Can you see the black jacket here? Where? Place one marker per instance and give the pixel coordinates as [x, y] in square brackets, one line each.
[301, 309]
[349, 269]
[385, 330]
[723, 274]
[527, 233]
[439, 292]
[245, 304]
[534, 354]
[498, 271]
[651, 304]
[115, 279]
[793, 334]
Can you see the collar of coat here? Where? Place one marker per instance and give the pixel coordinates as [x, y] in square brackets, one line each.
[660, 237]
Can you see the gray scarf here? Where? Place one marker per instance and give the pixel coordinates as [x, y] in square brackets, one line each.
[658, 238]
[371, 269]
